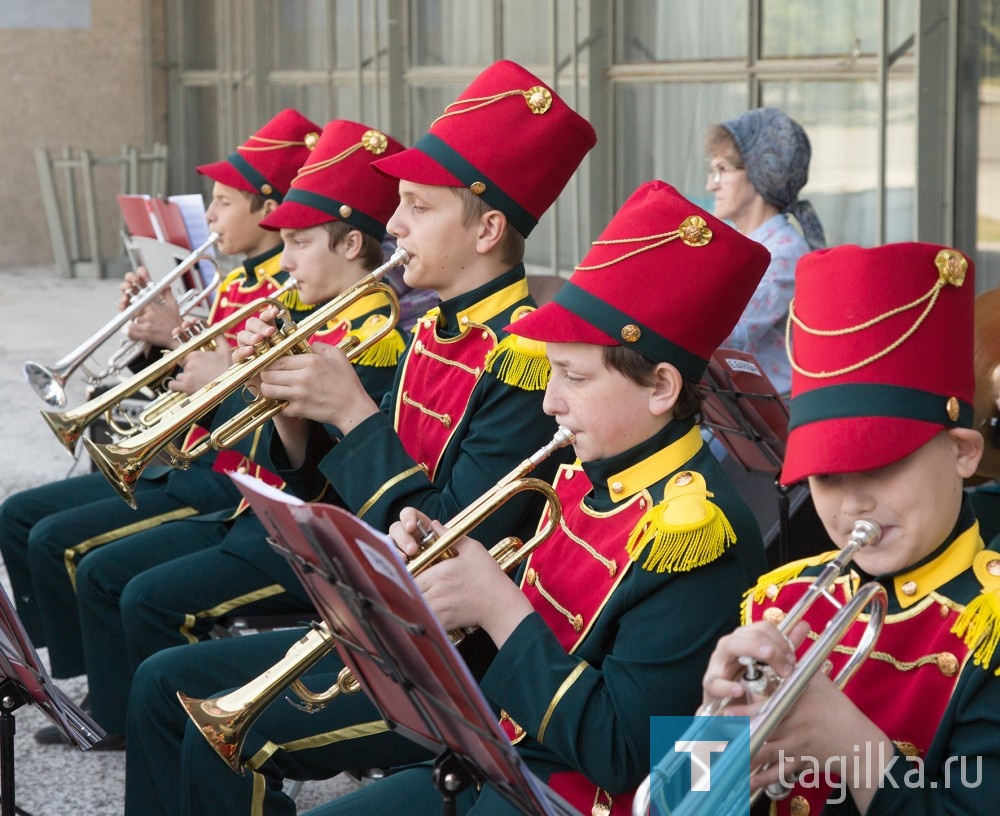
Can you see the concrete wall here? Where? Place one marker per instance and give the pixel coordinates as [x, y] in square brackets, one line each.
[83, 80]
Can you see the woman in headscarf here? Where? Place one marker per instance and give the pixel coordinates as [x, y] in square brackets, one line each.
[758, 163]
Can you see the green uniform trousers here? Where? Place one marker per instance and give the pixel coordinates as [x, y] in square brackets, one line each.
[172, 769]
[47, 530]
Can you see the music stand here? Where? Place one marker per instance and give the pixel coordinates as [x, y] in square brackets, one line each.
[395, 647]
[749, 417]
[23, 680]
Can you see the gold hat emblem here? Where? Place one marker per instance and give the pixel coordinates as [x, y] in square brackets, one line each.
[266, 189]
[631, 333]
[694, 231]
[477, 188]
[952, 408]
[539, 99]
[374, 141]
[951, 266]
[345, 211]
[311, 140]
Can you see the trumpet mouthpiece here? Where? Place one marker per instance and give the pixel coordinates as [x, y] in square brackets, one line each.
[866, 532]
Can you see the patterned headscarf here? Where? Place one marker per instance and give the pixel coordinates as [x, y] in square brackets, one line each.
[776, 155]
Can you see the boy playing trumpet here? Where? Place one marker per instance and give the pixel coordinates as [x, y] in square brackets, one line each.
[881, 415]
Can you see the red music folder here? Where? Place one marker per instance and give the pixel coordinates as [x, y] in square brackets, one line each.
[389, 638]
[150, 217]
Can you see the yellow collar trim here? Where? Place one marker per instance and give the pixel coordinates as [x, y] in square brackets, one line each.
[269, 267]
[495, 304]
[916, 584]
[648, 472]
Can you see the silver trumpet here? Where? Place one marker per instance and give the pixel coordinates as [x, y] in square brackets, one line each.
[49, 381]
[728, 778]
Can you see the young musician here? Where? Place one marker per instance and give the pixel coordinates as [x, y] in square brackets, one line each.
[608, 623]
[881, 417]
[331, 221]
[452, 425]
[45, 531]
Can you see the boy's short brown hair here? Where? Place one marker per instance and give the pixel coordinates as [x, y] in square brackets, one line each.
[512, 245]
[637, 367]
[371, 255]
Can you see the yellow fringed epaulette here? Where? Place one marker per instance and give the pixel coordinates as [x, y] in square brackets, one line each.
[979, 623]
[770, 583]
[684, 531]
[383, 354]
[292, 299]
[518, 361]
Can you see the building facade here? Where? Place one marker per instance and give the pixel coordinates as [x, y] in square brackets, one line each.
[899, 97]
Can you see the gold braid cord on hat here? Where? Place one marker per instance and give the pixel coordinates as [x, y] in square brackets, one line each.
[951, 266]
[538, 99]
[373, 141]
[693, 231]
[309, 141]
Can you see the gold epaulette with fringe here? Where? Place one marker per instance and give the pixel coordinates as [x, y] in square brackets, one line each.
[684, 531]
[518, 361]
[979, 623]
[769, 583]
[383, 354]
[293, 301]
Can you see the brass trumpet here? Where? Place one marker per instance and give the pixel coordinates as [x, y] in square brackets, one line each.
[225, 721]
[761, 681]
[122, 462]
[49, 381]
[69, 425]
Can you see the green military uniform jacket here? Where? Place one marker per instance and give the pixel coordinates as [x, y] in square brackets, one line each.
[449, 430]
[930, 684]
[614, 641]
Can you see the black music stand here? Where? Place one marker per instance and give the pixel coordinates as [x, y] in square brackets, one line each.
[393, 644]
[23, 680]
[749, 417]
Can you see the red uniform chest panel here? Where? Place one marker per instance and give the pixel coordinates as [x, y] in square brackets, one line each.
[588, 550]
[916, 656]
[437, 381]
[561, 566]
[234, 298]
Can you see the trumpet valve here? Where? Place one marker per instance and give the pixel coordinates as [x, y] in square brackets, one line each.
[759, 680]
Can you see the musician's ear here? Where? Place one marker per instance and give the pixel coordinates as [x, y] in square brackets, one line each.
[666, 389]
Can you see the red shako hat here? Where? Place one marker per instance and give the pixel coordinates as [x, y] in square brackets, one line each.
[266, 163]
[665, 278]
[508, 138]
[337, 183]
[881, 346]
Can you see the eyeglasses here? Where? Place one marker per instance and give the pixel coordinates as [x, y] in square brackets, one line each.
[715, 174]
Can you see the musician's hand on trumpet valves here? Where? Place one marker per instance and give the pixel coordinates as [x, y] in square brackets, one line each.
[156, 323]
[822, 726]
[322, 386]
[200, 367]
[468, 590]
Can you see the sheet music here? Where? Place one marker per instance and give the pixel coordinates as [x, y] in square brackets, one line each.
[192, 207]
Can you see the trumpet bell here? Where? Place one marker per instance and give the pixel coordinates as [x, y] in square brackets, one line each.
[46, 383]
